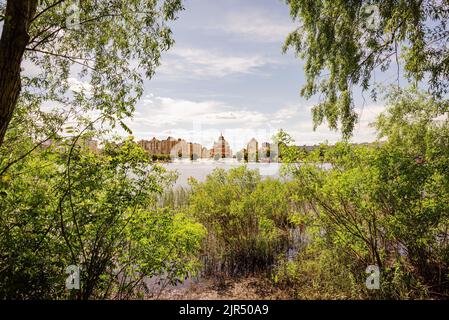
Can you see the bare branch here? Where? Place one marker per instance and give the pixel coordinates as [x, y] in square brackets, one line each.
[73, 59]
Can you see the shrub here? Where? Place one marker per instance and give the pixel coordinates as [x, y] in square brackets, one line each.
[386, 204]
[246, 218]
[70, 206]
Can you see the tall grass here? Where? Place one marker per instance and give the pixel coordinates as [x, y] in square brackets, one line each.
[177, 197]
[248, 221]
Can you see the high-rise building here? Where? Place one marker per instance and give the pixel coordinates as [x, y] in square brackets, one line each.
[143, 144]
[221, 148]
[264, 152]
[180, 149]
[154, 146]
[167, 145]
[195, 150]
[205, 153]
[253, 150]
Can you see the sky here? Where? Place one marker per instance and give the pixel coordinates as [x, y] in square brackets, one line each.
[227, 74]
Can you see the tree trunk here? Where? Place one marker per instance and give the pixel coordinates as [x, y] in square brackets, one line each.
[13, 42]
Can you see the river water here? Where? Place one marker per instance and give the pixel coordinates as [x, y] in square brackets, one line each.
[199, 169]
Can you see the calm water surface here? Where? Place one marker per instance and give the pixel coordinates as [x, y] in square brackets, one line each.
[199, 169]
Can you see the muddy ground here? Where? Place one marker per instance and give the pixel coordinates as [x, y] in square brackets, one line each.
[225, 289]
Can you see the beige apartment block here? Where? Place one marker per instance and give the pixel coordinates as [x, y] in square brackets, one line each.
[221, 148]
[252, 149]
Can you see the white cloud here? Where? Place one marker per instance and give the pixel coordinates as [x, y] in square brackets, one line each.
[302, 129]
[30, 69]
[162, 111]
[284, 114]
[259, 26]
[200, 63]
[78, 86]
[202, 121]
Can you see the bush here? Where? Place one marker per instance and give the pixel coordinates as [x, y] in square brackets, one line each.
[247, 219]
[69, 206]
[386, 204]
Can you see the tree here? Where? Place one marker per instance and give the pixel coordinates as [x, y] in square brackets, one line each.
[16, 19]
[284, 148]
[345, 42]
[96, 211]
[377, 205]
[106, 42]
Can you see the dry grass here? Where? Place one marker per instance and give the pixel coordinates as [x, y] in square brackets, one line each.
[226, 289]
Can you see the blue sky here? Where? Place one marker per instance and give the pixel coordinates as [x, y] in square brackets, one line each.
[226, 73]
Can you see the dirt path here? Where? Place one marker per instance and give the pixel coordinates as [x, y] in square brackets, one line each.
[234, 289]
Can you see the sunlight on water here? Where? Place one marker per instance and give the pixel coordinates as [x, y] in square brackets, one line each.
[199, 169]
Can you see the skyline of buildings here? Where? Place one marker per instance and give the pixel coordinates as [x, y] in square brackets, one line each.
[180, 148]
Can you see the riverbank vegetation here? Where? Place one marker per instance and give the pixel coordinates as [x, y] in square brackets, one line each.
[311, 234]
[315, 234]
[94, 211]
